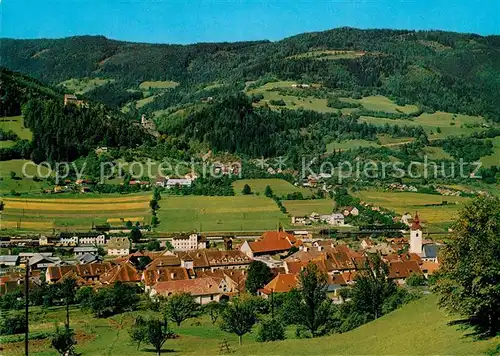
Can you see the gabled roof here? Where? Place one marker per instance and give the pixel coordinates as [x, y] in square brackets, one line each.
[91, 270]
[153, 275]
[124, 272]
[238, 276]
[198, 286]
[273, 241]
[403, 269]
[282, 283]
[214, 258]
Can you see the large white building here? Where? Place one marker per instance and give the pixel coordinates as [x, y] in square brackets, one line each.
[187, 242]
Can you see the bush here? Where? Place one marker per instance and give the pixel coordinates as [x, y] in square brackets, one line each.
[12, 324]
[271, 330]
[415, 280]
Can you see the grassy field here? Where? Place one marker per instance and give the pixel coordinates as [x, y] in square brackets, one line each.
[431, 122]
[419, 328]
[329, 54]
[402, 202]
[166, 84]
[280, 187]
[307, 207]
[16, 124]
[81, 86]
[233, 213]
[21, 184]
[78, 212]
[494, 159]
[350, 144]
[381, 103]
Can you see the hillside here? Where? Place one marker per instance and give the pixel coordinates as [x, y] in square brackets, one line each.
[446, 71]
[16, 89]
[419, 328]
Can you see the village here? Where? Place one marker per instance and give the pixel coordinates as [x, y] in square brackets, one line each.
[188, 263]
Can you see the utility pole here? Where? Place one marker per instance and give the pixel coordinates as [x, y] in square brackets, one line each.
[272, 304]
[26, 306]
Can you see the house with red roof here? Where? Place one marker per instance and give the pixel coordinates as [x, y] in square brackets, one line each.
[282, 283]
[270, 243]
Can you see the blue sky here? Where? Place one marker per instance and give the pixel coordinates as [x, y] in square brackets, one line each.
[188, 21]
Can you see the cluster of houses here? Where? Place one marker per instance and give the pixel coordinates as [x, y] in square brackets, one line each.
[334, 219]
[214, 275]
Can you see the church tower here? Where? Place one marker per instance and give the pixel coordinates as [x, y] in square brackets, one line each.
[416, 236]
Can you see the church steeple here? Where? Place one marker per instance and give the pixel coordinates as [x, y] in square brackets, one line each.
[416, 236]
[416, 223]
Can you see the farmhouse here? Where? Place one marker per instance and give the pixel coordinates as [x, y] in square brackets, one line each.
[271, 242]
[336, 219]
[204, 290]
[177, 182]
[118, 246]
[350, 210]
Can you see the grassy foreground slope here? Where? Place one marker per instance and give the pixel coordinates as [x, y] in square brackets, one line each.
[419, 328]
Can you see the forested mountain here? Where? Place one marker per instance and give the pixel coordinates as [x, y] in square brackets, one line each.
[443, 70]
[16, 89]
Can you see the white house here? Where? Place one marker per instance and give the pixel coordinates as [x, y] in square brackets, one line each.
[187, 242]
[69, 240]
[118, 246]
[92, 239]
[336, 219]
[177, 182]
[350, 210]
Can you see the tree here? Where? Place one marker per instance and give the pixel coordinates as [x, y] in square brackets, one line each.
[84, 296]
[68, 289]
[135, 234]
[246, 189]
[157, 333]
[271, 330]
[259, 274]
[239, 318]
[372, 287]
[153, 245]
[64, 341]
[138, 332]
[415, 280]
[153, 204]
[469, 272]
[268, 192]
[13, 175]
[314, 310]
[156, 194]
[154, 221]
[214, 310]
[180, 307]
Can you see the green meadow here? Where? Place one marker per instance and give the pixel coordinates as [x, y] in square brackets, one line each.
[280, 187]
[81, 86]
[214, 214]
[419, 328]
